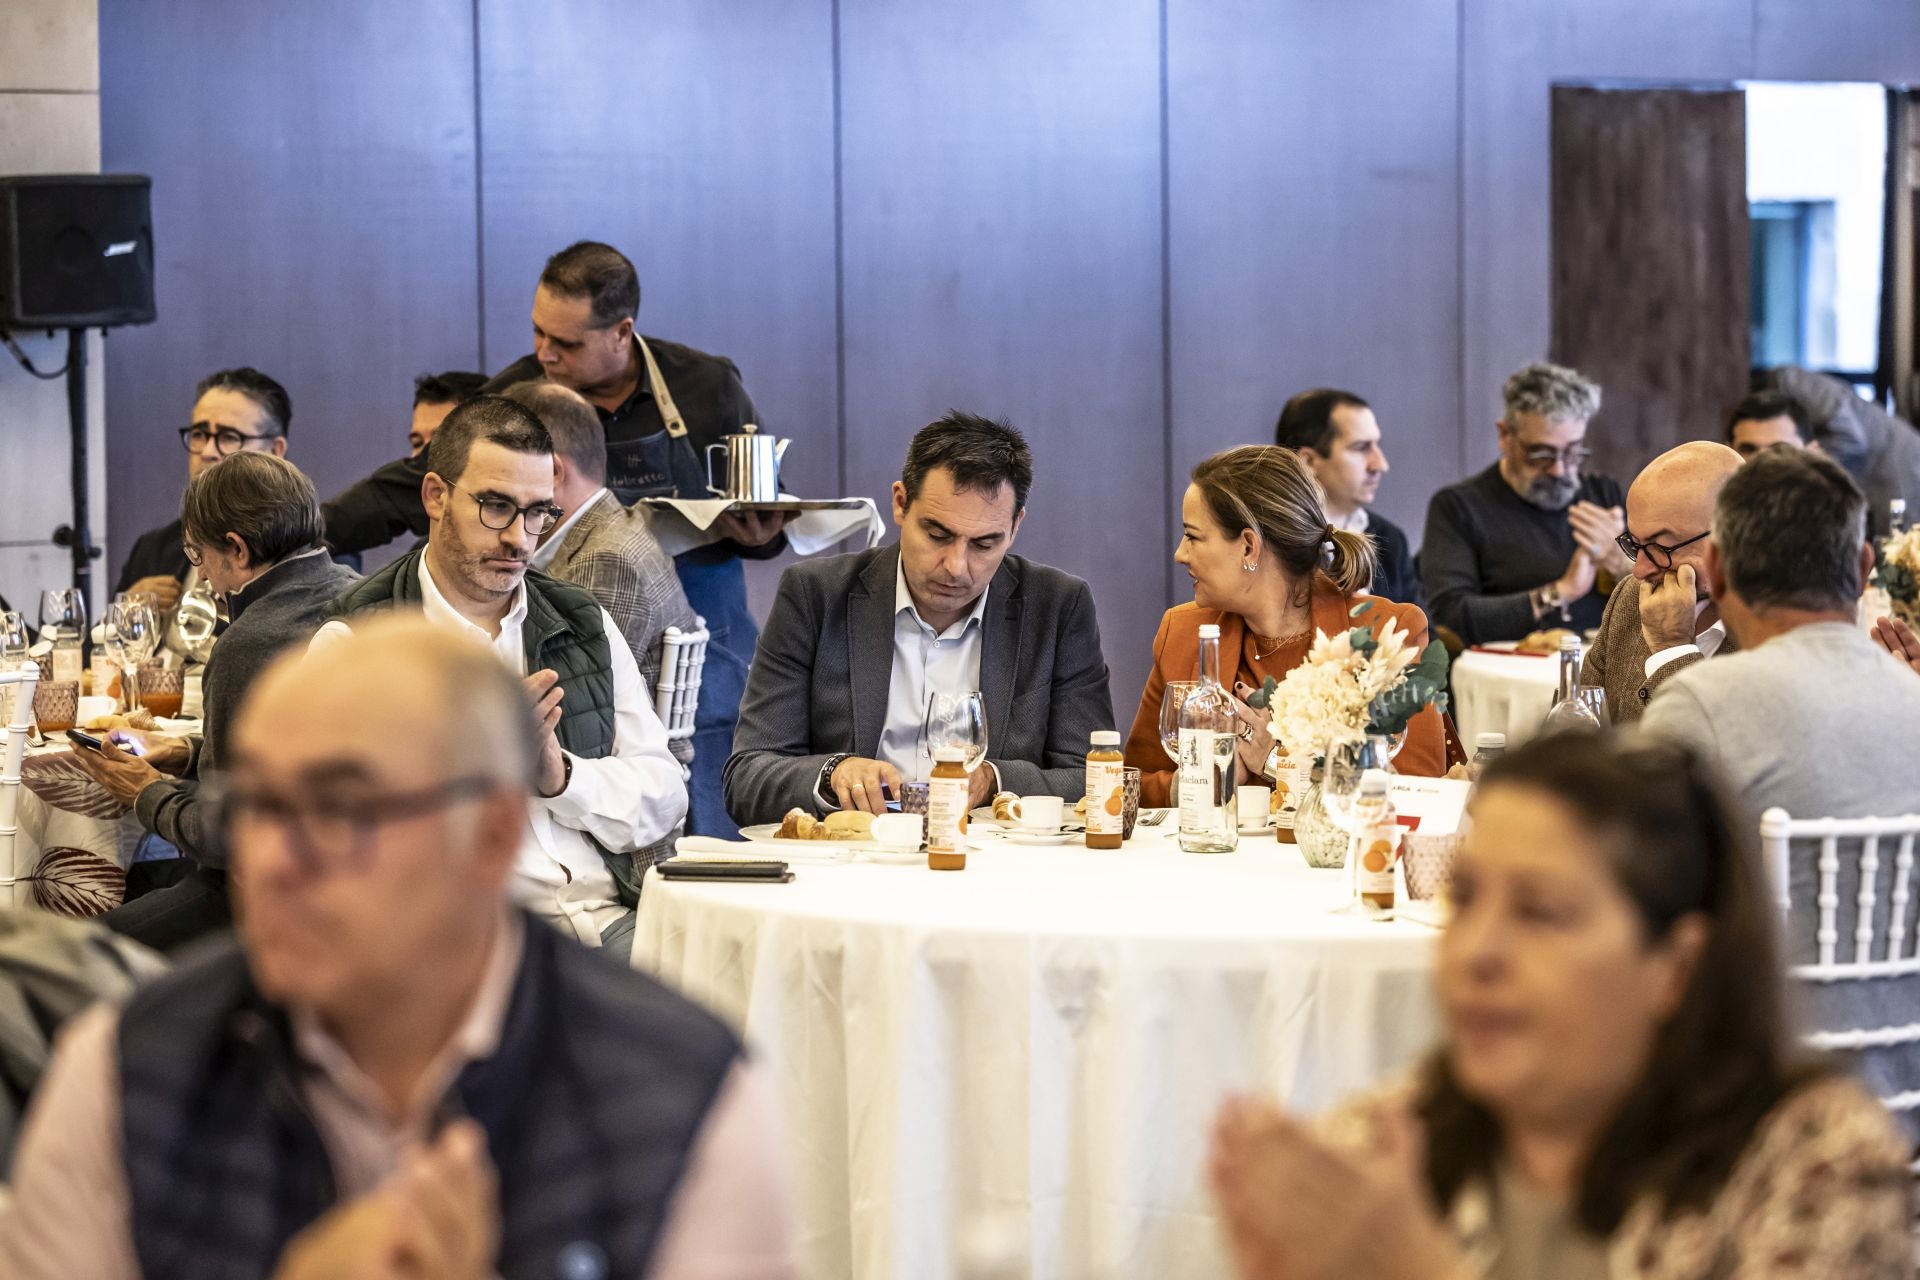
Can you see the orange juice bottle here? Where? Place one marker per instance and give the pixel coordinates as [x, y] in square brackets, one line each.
[1376, 845]
[1106, 791]
[947, 788]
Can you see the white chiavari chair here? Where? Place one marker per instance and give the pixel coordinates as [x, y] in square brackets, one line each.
[23, 682]
[676, 696]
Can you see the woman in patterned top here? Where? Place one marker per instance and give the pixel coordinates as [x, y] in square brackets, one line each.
[1615, 1096]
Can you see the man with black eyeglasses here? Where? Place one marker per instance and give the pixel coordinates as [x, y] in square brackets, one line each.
[233, 410]
[1662, 620]
[1521, 545]
[607, 783]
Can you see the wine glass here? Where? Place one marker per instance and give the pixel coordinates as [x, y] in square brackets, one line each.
[1170, 703]
[133, 634]
[14, 643]
[955, 720]
[63, 612]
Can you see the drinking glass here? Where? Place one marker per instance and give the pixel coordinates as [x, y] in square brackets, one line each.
[132, 636]
[14, 642]
[1595, 697]
[63, 611]
[1170, 703]
[955, 720]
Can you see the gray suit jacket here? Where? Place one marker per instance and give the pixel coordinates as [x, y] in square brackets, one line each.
[1618, 659]
[1041, 672]
[611, 553]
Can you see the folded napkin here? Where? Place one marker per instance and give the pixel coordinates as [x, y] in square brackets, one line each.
[808, 533]
[709, 849]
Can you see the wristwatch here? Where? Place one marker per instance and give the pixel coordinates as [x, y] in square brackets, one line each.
[566, 777]
[1547, 597]
[824, 786]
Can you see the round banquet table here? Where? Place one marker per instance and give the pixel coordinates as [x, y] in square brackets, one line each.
[1500, 692]
[1031, 1051]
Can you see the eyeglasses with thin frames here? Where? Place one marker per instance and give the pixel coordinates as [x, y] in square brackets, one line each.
[226, 440]
[1662, 556]
[499, 514]
[330, 834]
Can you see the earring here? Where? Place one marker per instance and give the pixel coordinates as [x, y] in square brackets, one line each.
[1248, 565]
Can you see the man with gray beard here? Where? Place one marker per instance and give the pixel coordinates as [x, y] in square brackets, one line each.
[1521, 545]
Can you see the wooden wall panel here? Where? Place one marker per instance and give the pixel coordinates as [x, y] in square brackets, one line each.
[1001, 195]
[1314, 226]
[1512, 53]
[313, 211]
[1650, 261]
[702, 148]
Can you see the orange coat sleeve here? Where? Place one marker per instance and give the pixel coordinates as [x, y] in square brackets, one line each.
[1425, 755]
[1144, 751]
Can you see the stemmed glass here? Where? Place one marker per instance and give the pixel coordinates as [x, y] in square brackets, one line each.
[955, 720]
[133, 635]
[63, 612]
[1171, 701]
[14, 643]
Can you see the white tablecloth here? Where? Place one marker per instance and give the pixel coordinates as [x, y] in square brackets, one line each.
[1506, 693]
[1033, 1049]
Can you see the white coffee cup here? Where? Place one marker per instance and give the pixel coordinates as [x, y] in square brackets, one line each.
[1039, 813]
[1255, 804]
[899, 830]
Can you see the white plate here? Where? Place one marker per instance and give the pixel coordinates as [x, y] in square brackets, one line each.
[894, 857]
[1263, 829]
[1016, 836]
[1069, 820]
[769, 832]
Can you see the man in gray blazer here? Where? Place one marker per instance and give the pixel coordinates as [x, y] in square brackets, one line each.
[856, 644]
[1661, 620]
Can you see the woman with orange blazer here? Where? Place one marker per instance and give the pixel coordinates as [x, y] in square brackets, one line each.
[1269, 568]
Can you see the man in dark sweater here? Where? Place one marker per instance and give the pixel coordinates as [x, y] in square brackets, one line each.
[1338, 441]
[1522, 545]
[252, 528]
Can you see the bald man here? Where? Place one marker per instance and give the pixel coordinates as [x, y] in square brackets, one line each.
[392, 1071]
[1661, 620]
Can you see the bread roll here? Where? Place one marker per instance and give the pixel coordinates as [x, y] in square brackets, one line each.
[797, 825]
[1003, 806]
[848, 824]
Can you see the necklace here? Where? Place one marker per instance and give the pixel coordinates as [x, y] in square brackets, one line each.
[1274, 646]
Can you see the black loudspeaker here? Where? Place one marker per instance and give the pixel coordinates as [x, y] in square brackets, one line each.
[76, 251]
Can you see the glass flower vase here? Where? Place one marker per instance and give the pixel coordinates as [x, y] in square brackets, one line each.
[1321, 826]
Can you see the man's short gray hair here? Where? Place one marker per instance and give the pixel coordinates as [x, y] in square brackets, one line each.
[1790, 525]
[1553, 391]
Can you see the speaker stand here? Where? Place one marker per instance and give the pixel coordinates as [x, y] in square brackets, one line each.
[76, 536]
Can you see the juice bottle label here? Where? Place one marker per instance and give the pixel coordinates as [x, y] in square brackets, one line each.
[1106, 797]
[1378, 846]
[946, 815]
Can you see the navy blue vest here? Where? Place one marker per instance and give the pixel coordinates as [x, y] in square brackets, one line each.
[591, 1106]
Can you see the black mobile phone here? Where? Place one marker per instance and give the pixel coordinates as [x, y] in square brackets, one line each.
[86, 740]
[696, 869]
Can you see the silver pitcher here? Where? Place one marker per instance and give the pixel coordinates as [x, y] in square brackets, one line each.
[753, 466]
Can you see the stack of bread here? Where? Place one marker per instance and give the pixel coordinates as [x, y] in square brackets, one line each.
[847, 824]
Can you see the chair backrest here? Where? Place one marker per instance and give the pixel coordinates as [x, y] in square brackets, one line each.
[1862, 922]
[23, 683]
[676, 695]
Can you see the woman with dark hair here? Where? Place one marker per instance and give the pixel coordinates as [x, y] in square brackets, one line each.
[1615, 1095]
[1271, 570]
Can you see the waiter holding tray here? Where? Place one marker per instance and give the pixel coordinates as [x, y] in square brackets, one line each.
[662, 404]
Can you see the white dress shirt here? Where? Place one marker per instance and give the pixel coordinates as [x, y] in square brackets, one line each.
[1706, 644]
[925, 662]
[626, 800]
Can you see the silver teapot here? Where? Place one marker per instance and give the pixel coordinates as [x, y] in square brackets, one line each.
[752, 466]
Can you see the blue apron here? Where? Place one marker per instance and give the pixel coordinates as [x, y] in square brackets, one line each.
[664, 465]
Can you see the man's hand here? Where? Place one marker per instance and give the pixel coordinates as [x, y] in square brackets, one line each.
[544, 688]
[753, 528]
[1897, 638]
[436, 1218]
[1668, 608]
[120, 775]
[859, 783]
[166, 752]
[1576, 581]
[1595, 528]
[164, 589]
[980, 787]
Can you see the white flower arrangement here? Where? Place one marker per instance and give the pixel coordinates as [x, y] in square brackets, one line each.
[1329, 700]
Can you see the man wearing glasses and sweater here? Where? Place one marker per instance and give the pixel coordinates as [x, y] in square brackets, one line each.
[233, 410]
[1521, 545]
[1662, 620]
